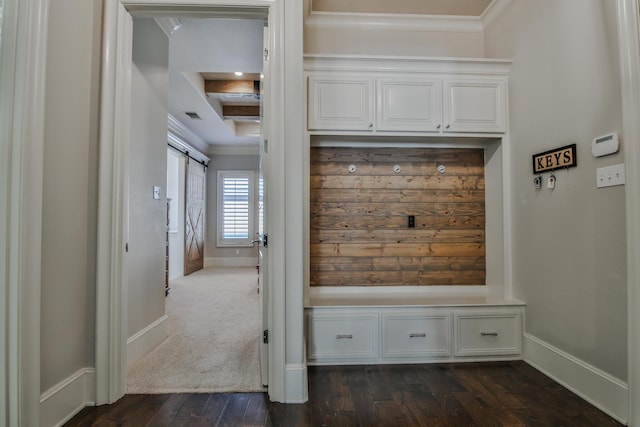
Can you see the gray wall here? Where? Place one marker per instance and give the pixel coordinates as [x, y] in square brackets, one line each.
[70, 187]
[226, 162]
[148, 168]
[569, 243]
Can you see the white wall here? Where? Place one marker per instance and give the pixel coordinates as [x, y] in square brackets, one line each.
[361, 41]
[176, 192]
[569, 243]
[70, 186]
[148, 168]
[225, 256]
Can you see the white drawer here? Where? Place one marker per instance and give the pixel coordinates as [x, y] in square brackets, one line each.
[416, 334]
[479, 334]
[350, 336]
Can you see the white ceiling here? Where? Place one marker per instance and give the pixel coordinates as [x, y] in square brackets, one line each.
[209, 47]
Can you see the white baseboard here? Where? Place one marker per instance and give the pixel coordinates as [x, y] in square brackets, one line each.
[295, 383]
[146, 340]
[64, 400]
[602, 390]
[231, 262]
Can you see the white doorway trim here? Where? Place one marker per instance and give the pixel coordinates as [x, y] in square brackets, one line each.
[112, 237]
[629, 48]
[22, 89]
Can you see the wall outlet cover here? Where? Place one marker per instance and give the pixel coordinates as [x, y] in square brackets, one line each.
[610, 176]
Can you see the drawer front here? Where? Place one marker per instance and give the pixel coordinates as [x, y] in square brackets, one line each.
[342, 336]
[478, 334]
[416, 335]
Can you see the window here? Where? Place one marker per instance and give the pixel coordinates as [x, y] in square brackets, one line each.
[235, 208]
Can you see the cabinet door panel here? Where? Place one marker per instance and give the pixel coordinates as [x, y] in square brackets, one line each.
[409, 105]
[474, 106]
[340, 103]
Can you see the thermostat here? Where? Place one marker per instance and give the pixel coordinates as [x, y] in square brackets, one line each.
[607, 144]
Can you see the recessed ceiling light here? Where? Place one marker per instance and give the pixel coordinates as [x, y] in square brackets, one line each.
[238, 73]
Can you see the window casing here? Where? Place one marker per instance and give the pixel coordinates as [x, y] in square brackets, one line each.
[236, 200]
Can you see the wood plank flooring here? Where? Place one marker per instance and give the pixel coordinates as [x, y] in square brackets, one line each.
[455, 395]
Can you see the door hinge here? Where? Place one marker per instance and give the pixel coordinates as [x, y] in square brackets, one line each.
[265, 241]
[265, 336]
[266, 54]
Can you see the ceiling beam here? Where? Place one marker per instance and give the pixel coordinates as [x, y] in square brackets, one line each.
[244, 111]
[244, 87]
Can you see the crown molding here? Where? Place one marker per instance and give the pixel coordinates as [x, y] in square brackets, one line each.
[179, 129]
[402, 22]
[234, 150]
[495, 9]
[169, 24]
[389, 21]
[183, 138]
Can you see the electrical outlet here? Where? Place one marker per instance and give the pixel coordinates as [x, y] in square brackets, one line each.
[610, 176]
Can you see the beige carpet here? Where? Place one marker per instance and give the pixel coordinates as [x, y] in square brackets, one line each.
[214, 337]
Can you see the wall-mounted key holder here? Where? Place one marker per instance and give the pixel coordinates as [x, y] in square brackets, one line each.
[537, 181]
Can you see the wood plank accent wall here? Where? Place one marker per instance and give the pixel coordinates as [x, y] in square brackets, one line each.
[359, 221]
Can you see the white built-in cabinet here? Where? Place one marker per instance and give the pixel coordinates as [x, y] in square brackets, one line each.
[383, 100]
[466, 99]
[341, 102]
[411, 334]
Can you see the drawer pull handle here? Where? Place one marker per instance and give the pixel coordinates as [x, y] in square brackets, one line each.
[341, 337]
[418, 335]
[489, 334]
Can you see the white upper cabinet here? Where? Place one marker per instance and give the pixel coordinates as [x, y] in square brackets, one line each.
[406, 95]
[340, 102]
[409, 104]
[475, 105]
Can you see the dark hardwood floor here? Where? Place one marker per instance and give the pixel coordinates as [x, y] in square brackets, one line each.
[475, 394]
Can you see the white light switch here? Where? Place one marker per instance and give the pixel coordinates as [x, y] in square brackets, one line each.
[610, 176]
[156, 192]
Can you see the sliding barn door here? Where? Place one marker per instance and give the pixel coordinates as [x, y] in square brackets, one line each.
[194, 218]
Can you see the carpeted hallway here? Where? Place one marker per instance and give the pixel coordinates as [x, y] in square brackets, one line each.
[214, 337]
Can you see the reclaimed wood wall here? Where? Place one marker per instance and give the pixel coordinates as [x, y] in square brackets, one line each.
[359, 220]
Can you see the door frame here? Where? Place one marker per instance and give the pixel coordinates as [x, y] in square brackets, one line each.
[628, 19]
[22, 89]
[112, 237]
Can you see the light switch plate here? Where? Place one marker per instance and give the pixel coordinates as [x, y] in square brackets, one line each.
[156, 192]
[610, 176]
